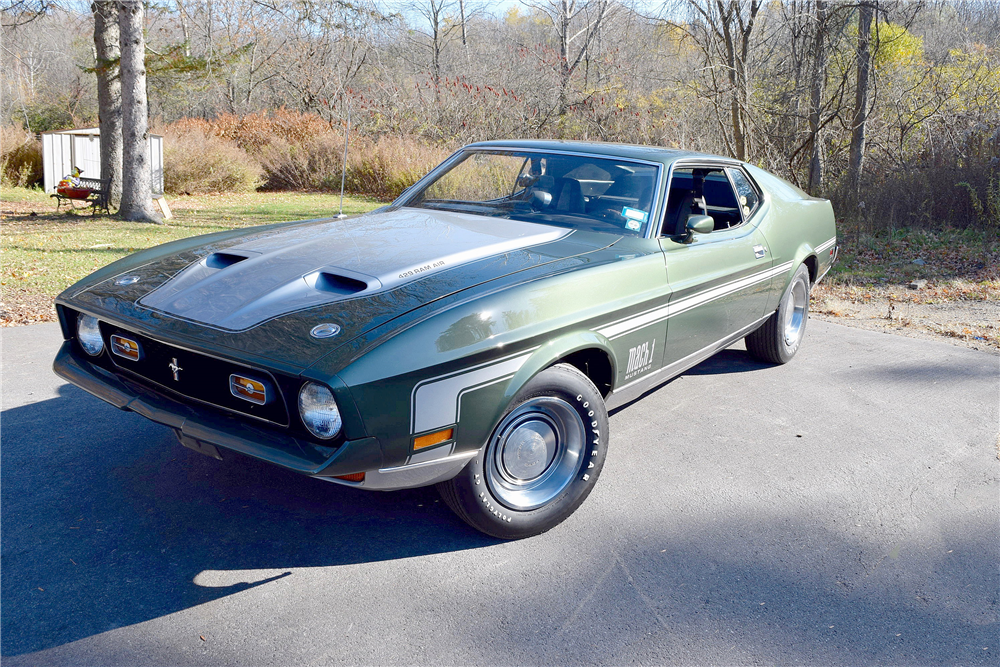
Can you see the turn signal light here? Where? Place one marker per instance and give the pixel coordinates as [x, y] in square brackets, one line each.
[125, 348]
[432, 439]
[353, 477]
[248, 389]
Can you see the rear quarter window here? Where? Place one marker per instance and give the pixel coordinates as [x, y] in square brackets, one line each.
[748, 197]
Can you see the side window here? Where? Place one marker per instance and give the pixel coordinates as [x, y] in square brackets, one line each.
[749, 199]
[720, 201]
[708, 191]
[680, 200]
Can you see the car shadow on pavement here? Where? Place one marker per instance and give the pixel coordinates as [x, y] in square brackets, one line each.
[108, 521]
[729, 361]
[724, 362]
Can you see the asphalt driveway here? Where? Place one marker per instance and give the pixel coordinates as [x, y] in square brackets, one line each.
[841, 509]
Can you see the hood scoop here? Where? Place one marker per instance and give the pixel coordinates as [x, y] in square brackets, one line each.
[222, 260]
[341, 282]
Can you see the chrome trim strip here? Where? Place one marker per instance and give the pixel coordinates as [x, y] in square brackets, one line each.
[411, 476]
[833, 260]
[435, 453]
[464, 456]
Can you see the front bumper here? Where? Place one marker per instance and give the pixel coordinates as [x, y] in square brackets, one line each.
[204, 430]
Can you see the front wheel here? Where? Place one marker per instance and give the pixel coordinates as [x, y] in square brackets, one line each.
[541, 461]
[778, 339]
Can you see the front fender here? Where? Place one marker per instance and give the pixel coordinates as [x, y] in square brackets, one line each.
[553, 352]
[481, 409]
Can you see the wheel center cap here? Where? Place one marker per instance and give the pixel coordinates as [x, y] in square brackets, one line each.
[529, 450]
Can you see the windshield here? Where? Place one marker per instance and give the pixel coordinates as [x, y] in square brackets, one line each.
[581, 192]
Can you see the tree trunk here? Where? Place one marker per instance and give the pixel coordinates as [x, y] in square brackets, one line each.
[730, 28]
[860, 119]
[816, 102]
[137, 199]
[109, 95]
[461, 10]
[562, 31]
[185, 31]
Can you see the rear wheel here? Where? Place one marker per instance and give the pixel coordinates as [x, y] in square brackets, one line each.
[541, 461]
[778, 339]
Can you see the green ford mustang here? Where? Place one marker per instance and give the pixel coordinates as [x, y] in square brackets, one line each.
[472, 334]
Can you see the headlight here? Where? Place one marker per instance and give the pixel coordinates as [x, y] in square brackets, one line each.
[89, 335]
[319, 411]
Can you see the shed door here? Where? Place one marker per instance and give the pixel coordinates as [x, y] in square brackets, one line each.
[87, 154]
[56, 159]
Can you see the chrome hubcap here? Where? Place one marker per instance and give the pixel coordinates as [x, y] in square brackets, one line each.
[795, 313]
[535, 453]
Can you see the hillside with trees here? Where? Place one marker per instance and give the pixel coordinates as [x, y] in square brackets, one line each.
[890, 108]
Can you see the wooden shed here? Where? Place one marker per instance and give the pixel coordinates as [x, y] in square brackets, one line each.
[61, 151]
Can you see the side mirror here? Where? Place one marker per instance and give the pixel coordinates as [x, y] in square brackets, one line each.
[700, 224]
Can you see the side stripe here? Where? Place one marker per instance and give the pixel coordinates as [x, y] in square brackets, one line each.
[630, 324]
[823, 246]
[434, 403]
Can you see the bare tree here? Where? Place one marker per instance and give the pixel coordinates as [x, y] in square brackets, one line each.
[860, 118]
[723, 30]
[137, 198]
[439, 31]
[461, 12]
[816, 99]
[109, 94]
[21, 12]
[573, 41]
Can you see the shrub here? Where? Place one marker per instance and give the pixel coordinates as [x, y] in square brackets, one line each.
[198, 161]
[20, 157]
[287, 150]
[386, 167]
[309, 164]
[254, 132]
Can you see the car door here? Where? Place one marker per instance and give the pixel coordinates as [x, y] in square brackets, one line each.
[638, 339]
[719, 280]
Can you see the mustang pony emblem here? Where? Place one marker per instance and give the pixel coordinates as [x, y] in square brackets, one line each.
[175, 369]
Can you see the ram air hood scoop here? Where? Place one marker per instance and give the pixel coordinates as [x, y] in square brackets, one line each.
[327, 261]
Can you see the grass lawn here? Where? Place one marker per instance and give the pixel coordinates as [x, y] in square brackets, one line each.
[42, 252]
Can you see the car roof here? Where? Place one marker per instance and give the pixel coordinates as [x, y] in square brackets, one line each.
[631, 151]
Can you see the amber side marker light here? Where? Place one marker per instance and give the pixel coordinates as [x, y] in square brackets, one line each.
[353, 477]
[432, 439]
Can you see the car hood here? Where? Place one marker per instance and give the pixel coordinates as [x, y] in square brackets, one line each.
[261, 292]
[334, 260]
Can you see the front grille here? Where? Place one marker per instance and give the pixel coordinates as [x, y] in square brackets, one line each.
[196, 375]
